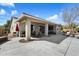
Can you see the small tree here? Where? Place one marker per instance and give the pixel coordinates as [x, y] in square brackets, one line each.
[70, 15]
[8, 25]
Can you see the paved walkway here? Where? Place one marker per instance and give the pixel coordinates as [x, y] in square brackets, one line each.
[69, 46]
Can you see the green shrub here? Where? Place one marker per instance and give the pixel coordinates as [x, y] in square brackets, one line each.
[77, 29]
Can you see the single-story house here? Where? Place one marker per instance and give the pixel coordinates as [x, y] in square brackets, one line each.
[31, 25]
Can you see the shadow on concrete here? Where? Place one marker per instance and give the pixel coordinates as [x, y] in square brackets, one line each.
[58, 38]
[2, 42]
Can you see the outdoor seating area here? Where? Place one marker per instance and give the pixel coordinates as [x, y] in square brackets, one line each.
[71, 32]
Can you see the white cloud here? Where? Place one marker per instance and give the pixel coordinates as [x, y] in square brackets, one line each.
[14, 12]
[57, 18]
[2, 12]
[37, 15]
[54, 17]
[7, 4]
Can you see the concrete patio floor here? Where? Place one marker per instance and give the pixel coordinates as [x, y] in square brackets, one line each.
[67, 47]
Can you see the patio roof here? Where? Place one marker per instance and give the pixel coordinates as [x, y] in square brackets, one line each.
[33, 17]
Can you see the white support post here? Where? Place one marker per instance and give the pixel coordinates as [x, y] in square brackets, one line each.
[46, 29]
[19, 30]
[28, 29]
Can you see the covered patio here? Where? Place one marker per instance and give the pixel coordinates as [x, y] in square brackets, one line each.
[33, 26]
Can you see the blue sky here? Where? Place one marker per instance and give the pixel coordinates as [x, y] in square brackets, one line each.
[48, 11]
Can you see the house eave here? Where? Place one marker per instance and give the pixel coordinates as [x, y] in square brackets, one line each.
[34, 18]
